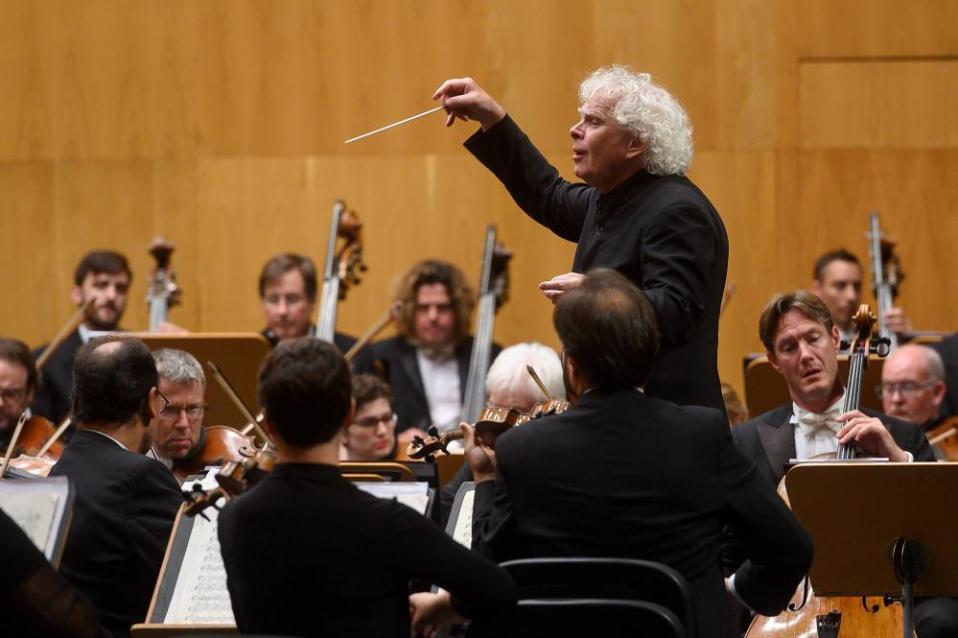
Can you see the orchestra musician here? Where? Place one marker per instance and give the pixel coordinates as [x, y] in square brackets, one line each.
[309, 554]
[427, 363]
[637, 212]
[623, 474]
[372, 434]
[103, 276]
[18, 381]
[802, 345]
[948, 349]
[509, 385]
[837, 280]
[287, 291]
[913, 385]
[177, 431]
[125, 502]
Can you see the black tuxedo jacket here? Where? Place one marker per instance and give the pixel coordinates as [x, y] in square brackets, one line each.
[341, 340]
[124, 510]
[398, 357]
[768, 440]
[309, 554]
[659, 231]
[625, 475]
[54, 394]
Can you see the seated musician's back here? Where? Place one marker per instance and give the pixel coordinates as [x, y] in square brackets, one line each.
[125, 502]
[624, 475]
[309, 554]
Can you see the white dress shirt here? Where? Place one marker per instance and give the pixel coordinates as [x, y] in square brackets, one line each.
[440, 379]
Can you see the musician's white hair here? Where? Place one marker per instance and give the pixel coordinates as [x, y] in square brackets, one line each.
[508, 371]
[649, 112]
[178, 366]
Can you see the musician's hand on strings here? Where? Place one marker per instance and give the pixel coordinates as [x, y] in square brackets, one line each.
[464, 99]
[561, 284]
[429, 611]
[871, 435]
[896, 321]
[480, 457]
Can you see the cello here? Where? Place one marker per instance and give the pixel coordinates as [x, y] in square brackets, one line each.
[808, 615]
[342, 267]
[493, 292]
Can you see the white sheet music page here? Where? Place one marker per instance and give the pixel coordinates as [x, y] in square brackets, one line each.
[34, 512]
[200, 595]
[462, 533]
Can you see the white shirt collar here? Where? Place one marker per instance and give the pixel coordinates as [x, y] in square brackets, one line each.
[107, 436]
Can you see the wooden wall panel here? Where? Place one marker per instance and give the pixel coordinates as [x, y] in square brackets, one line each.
[220, 123]
[880, 104]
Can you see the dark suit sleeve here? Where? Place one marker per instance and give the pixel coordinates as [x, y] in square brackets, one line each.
[534, 184]
[493, 519]
[155, 500]
[478, 586]
[678, 253]
[777, 549]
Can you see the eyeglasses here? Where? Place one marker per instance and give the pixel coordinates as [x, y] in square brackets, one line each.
[12, 394]
[170, 412]
[908, 389]
[373, 421]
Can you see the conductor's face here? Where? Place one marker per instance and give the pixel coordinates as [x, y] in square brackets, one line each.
[806, 355]
[286, 306]
[604, 154]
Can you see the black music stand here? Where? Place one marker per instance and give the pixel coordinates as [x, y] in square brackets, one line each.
[882, 529]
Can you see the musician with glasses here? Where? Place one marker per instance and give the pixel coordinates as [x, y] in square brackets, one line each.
[18, 380]
[371, 436]
[177, 433]
[125, 502]
[913, 385]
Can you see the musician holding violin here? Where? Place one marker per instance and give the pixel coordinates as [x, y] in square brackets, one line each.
[177, 433]
[622, 474]
[18, 381]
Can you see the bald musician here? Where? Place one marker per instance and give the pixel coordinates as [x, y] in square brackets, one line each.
[913, 384]
[309, 554]
[125, 502]
[637, 212]
[177, 434]
[18, 380]
[802, 345]
[622, 474]
[287, 291]
[427, 363]
[104, 277]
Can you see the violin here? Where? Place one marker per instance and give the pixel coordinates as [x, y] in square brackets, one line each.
[944, 437]
[218, 445]
[234, 478]
[856, 616]
[491, 423]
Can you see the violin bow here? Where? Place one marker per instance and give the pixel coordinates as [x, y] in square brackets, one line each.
[13, 444]
[65, 330]
[538, 380]
[238, 402]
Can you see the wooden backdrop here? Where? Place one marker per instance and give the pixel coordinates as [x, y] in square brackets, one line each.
[220, 124]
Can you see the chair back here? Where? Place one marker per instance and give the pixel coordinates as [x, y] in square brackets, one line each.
[622, 579]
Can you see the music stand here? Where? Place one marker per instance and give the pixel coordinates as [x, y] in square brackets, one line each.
[238, 355]
[880, 529]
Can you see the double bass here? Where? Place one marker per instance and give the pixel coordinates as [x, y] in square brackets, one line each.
[163, 292]
[808, 615]
[342, 268]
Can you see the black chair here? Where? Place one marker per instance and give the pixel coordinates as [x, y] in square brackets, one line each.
[575, 617]
[604, 578]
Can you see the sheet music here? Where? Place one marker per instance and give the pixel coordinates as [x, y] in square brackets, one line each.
[414, 495]
[33, 512]
[462, 533]
[200, 595]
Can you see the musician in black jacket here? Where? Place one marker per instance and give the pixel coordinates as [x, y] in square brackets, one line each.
[309, 554]
[125, 502]
[103, 277]
[637, 212]
[427, 364]
[622, 474]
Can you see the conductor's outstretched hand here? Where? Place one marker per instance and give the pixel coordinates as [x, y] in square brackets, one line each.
[464, 99]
